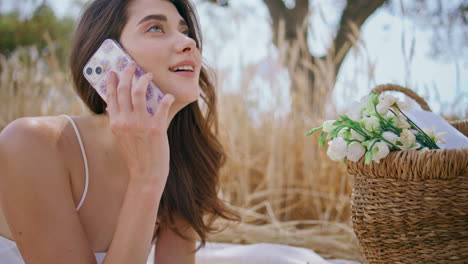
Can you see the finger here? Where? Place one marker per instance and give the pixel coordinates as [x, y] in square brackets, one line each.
[162, 113]
[139, 93]
[123, 89]
[111, 97]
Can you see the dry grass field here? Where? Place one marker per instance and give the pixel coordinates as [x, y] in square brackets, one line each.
[285, 188]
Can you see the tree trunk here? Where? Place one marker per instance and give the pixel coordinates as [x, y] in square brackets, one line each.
[312, 77]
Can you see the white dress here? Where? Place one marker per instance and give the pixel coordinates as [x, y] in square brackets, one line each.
[212, 253]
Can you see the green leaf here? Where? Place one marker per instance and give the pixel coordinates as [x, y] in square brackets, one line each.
[344, 117]
[313, 131]
[334, 132]
[368, 157]
[367, 143]
[322, 140]
[337, 122]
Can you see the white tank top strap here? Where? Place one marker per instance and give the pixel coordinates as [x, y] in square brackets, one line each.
[84, 159]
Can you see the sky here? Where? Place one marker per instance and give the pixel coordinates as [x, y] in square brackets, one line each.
[382, 35]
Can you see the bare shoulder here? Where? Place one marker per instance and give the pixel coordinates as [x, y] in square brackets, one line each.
[25, 130]
[35, 193]
[30, 139]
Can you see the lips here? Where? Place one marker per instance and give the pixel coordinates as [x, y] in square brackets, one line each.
[186, 74]
[185, 65]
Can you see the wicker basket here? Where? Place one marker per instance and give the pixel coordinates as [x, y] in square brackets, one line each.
[412, 207]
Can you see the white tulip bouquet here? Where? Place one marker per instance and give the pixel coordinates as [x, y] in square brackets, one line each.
[373, 128]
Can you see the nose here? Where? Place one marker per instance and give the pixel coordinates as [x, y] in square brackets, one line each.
[185, 44]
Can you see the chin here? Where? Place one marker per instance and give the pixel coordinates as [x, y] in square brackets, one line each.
[188, 96]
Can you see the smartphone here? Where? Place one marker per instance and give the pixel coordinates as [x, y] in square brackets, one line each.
[110, 56]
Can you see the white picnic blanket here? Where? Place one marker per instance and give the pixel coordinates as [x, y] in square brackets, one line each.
[212, 253]
[262, 253]
[426, 119]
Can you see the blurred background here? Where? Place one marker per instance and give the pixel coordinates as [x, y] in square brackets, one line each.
[283, 67]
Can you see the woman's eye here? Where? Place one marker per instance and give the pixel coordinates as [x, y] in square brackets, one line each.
[155, 28]
[186, 33]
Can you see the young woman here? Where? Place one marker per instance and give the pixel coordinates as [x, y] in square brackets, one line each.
[108, 186]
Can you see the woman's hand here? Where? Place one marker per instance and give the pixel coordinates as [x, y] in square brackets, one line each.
[142, 138]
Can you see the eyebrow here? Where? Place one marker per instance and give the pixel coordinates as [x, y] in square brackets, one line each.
[159, 17]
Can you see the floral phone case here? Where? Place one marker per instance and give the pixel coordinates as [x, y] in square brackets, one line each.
[110, 56]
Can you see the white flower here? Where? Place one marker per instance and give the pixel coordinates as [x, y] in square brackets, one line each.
[385, 102]
[337, 149]
[354, 114]
[407, 140]
[328, 126]
[379, 151]
[437, 137]
[401, 122]
[408, 136]
[356, 136]
[392, 119]
[367, 104]
[354, 111]
[404, 105]
[355, 151]
[392, 101]
[368, 143]
[371, 123]
[391, 137]
[366, 111]
[344, 133]
[382, 109]
[415, 145]
[387, 99]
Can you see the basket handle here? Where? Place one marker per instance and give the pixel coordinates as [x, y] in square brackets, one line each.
[395, 87]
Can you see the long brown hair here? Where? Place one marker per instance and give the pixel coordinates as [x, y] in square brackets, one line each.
[196, 155]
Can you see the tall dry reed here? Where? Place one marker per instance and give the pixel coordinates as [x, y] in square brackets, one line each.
[285, 188]
[32, 83]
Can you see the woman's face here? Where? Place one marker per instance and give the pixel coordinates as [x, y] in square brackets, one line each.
[156, 37]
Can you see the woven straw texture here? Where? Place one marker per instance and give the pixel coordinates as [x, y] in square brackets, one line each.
[412, 206]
